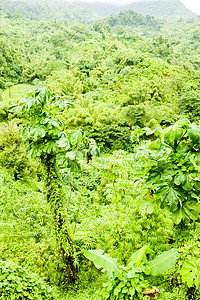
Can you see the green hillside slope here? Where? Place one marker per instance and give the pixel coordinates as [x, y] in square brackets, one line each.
[60, 10]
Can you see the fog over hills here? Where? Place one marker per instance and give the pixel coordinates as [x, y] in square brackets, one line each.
[157, 8]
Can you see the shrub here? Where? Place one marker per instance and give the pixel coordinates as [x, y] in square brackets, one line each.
[189, 104]
[135, 115]
[13, 152]
[17, 283]
[111, 137]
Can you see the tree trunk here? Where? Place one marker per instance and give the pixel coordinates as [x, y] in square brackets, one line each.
[55, 197]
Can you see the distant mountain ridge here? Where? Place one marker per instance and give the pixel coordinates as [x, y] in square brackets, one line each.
[156, 8]
[87, 13]
[52, 9]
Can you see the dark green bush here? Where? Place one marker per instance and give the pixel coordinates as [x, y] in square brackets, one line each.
[189, 104]
[135, 115]
[17, 283]
[111, 137]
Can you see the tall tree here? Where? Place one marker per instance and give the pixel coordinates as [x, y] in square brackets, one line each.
[48, 141]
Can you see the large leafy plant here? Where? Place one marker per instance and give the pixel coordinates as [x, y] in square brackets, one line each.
[130, 281]
[48, 141]
[172, 174]
[189, 269]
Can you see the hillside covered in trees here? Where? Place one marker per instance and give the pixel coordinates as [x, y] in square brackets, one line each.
[99, 153]
[87, 13]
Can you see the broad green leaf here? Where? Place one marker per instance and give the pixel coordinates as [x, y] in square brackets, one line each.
[169, 135]
[158, 131]
[174, 134]
[184, 123]
[149, 131]
[23, 133]
[75, 154]
[186, 184]
[75, 136]
[64, 143]
[154, 146]
[136, 132]
[192, 209]
[132, 291]
[179, 132]
[103, 261]
[73, 165]
[138, 256]
[170, 196]
[178, 215]
[179, 178]
[189, 211]
[140, 132]
[50, 147]
[190, 271]
[163, 262]
[149, 205]
[42, 132]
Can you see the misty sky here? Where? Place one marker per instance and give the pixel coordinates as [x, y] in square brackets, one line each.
[193, 5]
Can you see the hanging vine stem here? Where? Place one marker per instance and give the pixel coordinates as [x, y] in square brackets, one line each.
[55, 197]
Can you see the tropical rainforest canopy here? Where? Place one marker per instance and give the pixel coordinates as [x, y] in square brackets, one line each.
[99, 151]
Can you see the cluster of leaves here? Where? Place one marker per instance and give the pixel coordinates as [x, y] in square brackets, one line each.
[17, 283]
[173, 173]
[189, 260]
[190, 272]
[45, 132]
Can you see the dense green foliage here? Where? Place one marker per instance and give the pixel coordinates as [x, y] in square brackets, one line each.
[174, 168]
[132, 84]
[17, 283]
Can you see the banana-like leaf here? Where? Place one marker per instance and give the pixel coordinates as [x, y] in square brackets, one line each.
[104, 261]
[163, 262]
[138, 256]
